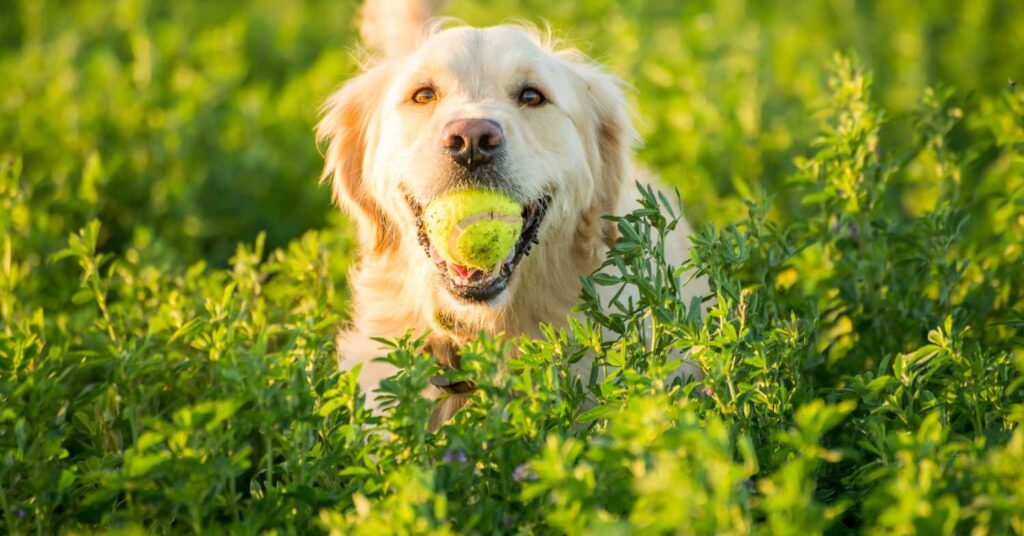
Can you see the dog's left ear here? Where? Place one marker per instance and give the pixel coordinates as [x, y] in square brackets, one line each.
[614, 138]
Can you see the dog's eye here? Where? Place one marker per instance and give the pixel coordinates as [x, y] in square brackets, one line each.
[424, 95]
[531, 97]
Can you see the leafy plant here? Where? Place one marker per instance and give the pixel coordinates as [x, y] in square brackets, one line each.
[860, 353]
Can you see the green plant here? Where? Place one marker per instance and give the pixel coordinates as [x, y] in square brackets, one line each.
[861, 351]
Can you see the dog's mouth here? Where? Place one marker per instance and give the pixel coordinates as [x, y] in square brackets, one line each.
[474, 284]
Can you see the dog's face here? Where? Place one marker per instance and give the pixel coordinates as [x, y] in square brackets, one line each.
[490, 108]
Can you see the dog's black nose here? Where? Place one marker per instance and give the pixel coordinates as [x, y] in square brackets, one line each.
[472, 142]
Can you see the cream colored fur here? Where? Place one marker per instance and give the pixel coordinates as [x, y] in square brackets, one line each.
[380, 148]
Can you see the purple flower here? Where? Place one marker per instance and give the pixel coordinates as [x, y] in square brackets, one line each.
[455, 456]
[19, 513]
[749, 484]
[523, 472]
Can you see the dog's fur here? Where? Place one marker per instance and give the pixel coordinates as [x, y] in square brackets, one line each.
[382, 148]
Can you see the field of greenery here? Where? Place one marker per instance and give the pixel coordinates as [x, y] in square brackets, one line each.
[171, 277]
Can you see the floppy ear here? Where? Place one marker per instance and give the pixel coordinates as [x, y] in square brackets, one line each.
[348, 121]
[614, 137]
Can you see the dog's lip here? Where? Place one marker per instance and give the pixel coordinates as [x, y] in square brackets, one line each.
[481, 285]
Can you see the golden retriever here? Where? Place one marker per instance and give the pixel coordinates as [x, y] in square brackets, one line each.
[503, 108]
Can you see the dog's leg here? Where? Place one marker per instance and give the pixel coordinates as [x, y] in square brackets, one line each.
[359, 349]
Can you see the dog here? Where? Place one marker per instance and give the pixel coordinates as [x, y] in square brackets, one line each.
[445, 107]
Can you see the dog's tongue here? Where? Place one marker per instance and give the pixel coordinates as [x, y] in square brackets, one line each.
[466, 274]
[459, 270]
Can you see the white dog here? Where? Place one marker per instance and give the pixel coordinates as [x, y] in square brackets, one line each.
[502, 108]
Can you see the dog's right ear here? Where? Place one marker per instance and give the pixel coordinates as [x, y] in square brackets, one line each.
[347, 126]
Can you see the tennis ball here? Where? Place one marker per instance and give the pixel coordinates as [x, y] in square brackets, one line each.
[475, 228]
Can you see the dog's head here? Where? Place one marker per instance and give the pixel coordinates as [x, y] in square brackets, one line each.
[497, 108]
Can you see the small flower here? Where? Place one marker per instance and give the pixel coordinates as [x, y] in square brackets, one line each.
[455, 456]
[749, 484]
[19, 513]
[853, 230]
[523, 472]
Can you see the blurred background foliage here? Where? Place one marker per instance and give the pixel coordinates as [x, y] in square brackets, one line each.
[191, 121]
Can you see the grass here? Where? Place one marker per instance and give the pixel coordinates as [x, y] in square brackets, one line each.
[861, 222]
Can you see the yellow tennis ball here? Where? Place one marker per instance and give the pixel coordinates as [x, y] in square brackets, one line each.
[475, 228]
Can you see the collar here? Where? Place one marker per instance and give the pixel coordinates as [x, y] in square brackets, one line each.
[453, 388]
